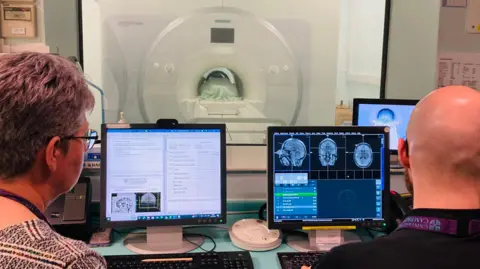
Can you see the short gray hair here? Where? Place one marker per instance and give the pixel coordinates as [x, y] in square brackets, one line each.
[41, 96]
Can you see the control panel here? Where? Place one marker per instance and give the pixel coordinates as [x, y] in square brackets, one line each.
[92, 158]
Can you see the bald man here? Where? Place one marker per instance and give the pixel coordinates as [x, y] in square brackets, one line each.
[441, 157]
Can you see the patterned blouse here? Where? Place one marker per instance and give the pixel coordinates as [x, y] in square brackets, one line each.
[33, 244]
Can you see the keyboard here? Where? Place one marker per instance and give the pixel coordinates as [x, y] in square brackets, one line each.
[210, 260]
[295, 260]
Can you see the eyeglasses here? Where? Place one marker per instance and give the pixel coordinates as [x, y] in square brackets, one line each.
[90, 138]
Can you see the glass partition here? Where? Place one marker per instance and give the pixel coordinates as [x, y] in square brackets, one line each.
[250, 64]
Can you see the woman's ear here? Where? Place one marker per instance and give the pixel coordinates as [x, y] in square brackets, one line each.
[52, 152]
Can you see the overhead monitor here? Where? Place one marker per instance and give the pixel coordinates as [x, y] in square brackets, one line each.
[154, 176]
[327, 177]
[394, 113]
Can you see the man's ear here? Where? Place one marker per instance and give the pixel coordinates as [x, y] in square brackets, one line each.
[52, 152]
[403, 155]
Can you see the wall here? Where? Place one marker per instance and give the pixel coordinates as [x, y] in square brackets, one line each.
[413, 46]
[452, 35]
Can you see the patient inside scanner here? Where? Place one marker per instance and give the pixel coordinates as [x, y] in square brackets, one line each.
[219, 85]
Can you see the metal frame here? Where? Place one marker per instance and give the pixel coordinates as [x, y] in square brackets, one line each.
[386, 38]
[300, 224]
[151, 223]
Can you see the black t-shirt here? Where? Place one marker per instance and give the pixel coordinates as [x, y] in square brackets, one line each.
[411, 249]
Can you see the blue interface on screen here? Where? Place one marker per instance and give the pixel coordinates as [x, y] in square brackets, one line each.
[328, 176]
[394, 116]
[159, 174]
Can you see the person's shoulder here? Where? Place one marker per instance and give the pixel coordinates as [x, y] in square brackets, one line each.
[38, 238]
[354, 255]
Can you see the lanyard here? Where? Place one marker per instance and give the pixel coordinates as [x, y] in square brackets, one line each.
[24, 202]
[440, 225]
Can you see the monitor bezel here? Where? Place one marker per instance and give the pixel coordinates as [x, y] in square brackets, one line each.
[174, 222]
[370, 101]
[300, 225]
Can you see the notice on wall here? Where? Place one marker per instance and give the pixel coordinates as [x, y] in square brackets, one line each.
[458, 69]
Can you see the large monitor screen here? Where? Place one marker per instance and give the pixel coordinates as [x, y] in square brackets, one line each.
[392, 113]
[163, 174]
[328, 175]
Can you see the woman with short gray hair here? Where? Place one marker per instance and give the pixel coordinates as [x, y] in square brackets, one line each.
[43, 137]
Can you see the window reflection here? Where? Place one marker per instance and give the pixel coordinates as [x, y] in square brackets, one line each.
[240, 63]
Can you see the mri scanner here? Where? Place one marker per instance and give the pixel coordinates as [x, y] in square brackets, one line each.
[249, 64]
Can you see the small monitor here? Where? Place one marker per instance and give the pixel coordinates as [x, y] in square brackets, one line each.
[394, 113]
[335, 177]
[155, 177]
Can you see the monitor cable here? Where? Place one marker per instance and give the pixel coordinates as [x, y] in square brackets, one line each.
[185, 235]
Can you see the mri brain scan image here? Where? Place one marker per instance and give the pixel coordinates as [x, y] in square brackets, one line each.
[292, 153]
[327, 152]
[363, 155]
[347, 198]
[385, 117]
[123, 203]
[148, 200]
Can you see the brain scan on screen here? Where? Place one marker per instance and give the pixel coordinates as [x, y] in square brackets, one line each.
[123, 203]
[386, 117]
[292, 153]
[363, 155]
[148, 200]
[347, 198]
[327, 152]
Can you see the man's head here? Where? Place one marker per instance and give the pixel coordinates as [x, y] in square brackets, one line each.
[43, 101]
[442, 156]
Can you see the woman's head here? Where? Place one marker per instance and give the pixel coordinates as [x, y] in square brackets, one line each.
[43, 101]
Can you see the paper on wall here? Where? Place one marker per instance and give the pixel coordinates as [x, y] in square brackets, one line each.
[458, 69]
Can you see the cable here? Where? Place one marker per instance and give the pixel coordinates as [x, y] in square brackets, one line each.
[199, 246]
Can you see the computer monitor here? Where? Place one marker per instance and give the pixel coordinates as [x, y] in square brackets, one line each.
[326, 180]
[162, 178]
[394, 113]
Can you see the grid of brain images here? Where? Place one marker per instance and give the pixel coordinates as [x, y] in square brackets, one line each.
[329, 156]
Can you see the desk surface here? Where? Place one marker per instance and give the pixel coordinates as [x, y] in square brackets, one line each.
[260, 259]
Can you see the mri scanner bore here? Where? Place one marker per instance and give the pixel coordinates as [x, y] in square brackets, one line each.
[220, 84]
[209, 64]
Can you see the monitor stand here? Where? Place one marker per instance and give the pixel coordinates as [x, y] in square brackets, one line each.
[160, 240]
[321, 240]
